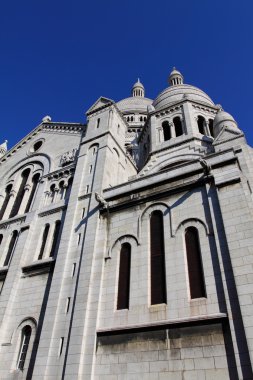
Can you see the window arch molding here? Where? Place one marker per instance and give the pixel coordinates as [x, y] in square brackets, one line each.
[16, 341]
[145, 216]
[129, 238]
[193, 222]
[42, 161]
[204, 250]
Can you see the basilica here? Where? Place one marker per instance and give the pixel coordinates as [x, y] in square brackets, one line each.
[126, 243]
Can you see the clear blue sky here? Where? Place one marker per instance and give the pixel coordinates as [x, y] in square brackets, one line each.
[58, 57]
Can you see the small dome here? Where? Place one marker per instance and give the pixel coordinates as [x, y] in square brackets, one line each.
[134, 105]
[174, 94]
[138, 84]
[175, 77]
[138, 89]
[223, 119]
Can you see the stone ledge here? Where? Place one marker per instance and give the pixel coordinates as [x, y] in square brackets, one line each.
[165, 324]
[38, 267]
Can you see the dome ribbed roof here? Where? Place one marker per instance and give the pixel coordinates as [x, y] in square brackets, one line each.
[174, 94]
[134, 104]
[222, 116]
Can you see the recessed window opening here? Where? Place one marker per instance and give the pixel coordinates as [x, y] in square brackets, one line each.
[73, 269]
[25, 339]
[166, 130]
[20, 193]
[98, 122]
[79, 239]
[87, 189]
[11, 247]
[1, 239]
[201, 125]
[6, 200]
[178, 126]
[37, 145]
[194, 261]
[61, 346]
[124, 277]
[210, 124]
[83, 212]
[55, 238]
[118, 129]
[90, 168]
[157, 259]
[43, 241]
[35, 182]
[67, 305]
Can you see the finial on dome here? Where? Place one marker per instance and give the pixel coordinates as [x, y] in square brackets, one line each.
[175, 77]
[138, 89]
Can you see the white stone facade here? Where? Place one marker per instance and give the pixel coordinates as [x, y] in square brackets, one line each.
[73, 195]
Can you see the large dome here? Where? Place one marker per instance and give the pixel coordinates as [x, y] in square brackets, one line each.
[175, 94]
[134, 104]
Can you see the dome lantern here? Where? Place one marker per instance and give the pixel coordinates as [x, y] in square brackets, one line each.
[175, 78]
[138, 89]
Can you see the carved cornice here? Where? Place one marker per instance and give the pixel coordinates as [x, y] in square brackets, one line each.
[16, 220]
[38, 267]
[57, 174]
[84, 196]
[52, 211]
[70, 128]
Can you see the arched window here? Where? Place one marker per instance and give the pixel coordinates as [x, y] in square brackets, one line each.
[166, 130]
[141, 118]
[6, 200]
[1, 239]
[201, 125]
[210, 124]
[124, 277]
[178, 126]
[24, 343]
[52, 192]
[20, 193]
[195, 269]
[55, 238]
[67, 194]
[35, 182]
[11, 247]
[157, 256]
[43, 242]
[132, 118]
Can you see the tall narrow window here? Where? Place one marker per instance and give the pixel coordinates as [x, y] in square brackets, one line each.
[157, 263]
[35, 182]
[68, 190]
[6, 200]
[11, 247]
[124, 277]
[25, 339]
[55, 238]
[98, 122]
[201, 125]
[20, 193]
[178, 126]
[1, 239]
[210, 123]
[195, 269]
[43, 242]
[166, 130]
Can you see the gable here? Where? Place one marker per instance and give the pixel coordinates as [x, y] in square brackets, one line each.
[227, 134]
[102, 102]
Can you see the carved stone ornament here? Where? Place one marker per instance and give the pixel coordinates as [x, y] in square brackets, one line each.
[68, 157]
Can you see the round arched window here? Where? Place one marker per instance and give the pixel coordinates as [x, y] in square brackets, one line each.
[36, 146]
